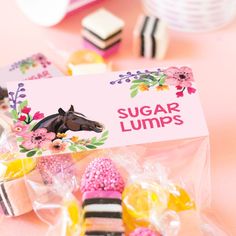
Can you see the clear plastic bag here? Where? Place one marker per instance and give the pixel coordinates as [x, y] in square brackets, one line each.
[176, 174]
[14, 198]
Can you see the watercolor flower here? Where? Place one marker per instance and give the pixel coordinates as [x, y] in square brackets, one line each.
[61, 135]
[57, 146]
[179, 94]
[143, 87]
[39, 138]
[162, 88]
[38, 116]
[22, 118]
[19, 128]
[182, 76]
[74, 139]
[26, 110]
[39, 57]
[84, 142]
[191, 90]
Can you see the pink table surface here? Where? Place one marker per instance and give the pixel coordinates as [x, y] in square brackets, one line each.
[211, 55]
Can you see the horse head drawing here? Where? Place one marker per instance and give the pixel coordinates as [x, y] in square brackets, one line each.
[70, 120]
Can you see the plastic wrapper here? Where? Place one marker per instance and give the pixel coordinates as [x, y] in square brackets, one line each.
[166, 189]
[14, 198]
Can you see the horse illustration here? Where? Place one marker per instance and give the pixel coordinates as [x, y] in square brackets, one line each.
[70, 120]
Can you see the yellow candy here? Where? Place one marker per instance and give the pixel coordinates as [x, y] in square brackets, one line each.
[16, 168]
[73, 218]
[140, 201]
[179, 200]
[83, 57]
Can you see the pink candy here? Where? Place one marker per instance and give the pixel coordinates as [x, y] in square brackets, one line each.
[142, 231]
[102, 175]
[56, 166]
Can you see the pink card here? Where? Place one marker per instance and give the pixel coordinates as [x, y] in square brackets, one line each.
[34, 67]
[105, 110]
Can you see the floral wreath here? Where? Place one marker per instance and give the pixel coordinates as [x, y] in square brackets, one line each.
[41, 141]
[161, 80]
[30, 62]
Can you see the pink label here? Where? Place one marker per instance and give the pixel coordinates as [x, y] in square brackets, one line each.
[106, 110]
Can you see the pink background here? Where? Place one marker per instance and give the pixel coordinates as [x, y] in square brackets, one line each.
[211, 55]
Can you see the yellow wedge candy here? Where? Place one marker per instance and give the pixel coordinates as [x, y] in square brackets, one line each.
[16, 168]
[140, 201]
[73, 216]
[179, 200]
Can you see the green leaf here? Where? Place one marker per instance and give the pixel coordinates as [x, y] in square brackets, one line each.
[151, 77]
[143, 76]
[20, 139]
[134, 86]
[39, 153]
[14, 114]
[98, 143]
[162, 79]
[22, 105]
[94, 139]
[134, 93]
[154, 83]
[105, 134]
[72, 148]
[102, 141]
[147, 83]
[23, 150]
[31, 153]
[82, 148]
[91, 146]
[138, 81]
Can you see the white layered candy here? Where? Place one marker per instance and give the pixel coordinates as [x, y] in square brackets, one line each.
[103, 207]
[102, 29]
[150, 37]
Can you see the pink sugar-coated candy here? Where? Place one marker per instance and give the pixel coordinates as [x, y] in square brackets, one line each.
[60, 166]
[142, 231]
[102, 175]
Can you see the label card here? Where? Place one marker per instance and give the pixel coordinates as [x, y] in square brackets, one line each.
[72, 114]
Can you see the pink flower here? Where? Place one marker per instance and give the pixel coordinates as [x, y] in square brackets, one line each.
[39, 138]
[19, 128]
[57, 146]
[180, 94]
[191, 90]
[22, 118]
[38, 116]
[182, 76]
[26, 110]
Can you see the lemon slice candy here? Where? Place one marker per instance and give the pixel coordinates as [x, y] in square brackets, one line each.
[140, 201]
[16, 168]
[179, 200]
